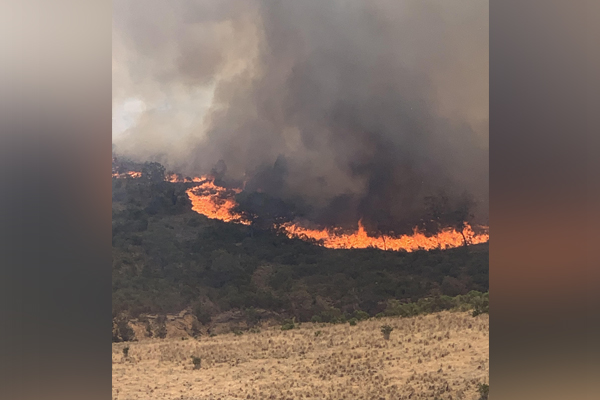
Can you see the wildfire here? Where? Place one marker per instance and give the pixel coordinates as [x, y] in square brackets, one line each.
[129, 174]
[217, 202]
[361, 240]
[178, 178]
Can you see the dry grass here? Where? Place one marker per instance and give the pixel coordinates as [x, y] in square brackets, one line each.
[439, 356]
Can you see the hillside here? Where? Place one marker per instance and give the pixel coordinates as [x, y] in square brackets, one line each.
[443, 356]
[167, 258]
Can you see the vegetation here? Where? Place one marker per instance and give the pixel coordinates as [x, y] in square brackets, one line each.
[477, 301]
[438, 356]
[484, 391]
[161, 331]
[288, 324]
[167, 258]
[481, 304]
[386, 330]
[195, 329]
[197, 361]
[122, 332]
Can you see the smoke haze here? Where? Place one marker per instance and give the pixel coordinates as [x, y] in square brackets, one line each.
[358, 109]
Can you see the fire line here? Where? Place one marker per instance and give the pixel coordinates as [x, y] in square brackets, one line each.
[217, 202]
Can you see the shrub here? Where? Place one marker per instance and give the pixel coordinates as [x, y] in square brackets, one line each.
[318, 333]
[252, 316]
[316, 319]
[361, 315]
[484, 391]
[352, 321]
[237, 332]
[288, 324]
[122, 332]
[148, 328]
[395, 308]
[195, 329]
[161, 330]
[197, 361]
[481, 304]
[202, 314]
[126, 351]
[193, 222]
[386, 330]
[332, 315]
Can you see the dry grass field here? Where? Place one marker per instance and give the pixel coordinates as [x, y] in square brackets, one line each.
[438, 356]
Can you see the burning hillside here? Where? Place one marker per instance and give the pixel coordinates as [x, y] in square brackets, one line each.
[218, 202]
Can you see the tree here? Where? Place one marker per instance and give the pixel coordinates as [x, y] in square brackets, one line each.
[161, 330]
[122, 332]
[153, 171]
[386, 330]
[197, 361]
[459, 218]
[224, 268]
[196, 329]
[444, 213]
[218, 171]
[452, 286]
[301, 304]
[263, 210]
[202, 314]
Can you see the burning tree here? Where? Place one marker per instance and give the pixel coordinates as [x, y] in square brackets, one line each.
[153, 172]
[443, 213]
[264, 211]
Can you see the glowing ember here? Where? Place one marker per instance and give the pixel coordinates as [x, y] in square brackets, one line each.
[217, 202]
[129, 174]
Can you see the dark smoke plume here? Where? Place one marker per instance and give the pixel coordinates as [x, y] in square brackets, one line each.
[350, 109]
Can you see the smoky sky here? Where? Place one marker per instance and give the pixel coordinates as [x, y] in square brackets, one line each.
[358, 109]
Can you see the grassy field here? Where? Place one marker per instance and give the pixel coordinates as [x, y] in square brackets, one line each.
[437, 356]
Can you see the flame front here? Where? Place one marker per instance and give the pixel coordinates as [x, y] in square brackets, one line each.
[130, 174]
[361, 240]
[217, 202]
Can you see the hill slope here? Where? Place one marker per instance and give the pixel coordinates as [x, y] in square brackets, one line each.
[167, 258]
[443, 356]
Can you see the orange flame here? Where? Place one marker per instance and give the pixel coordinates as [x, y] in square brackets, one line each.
[217, 202]
[214, 201]
[173, 178]
[361, 240]
[130, 174]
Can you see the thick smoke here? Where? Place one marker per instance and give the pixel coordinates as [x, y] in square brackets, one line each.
[354, 109]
